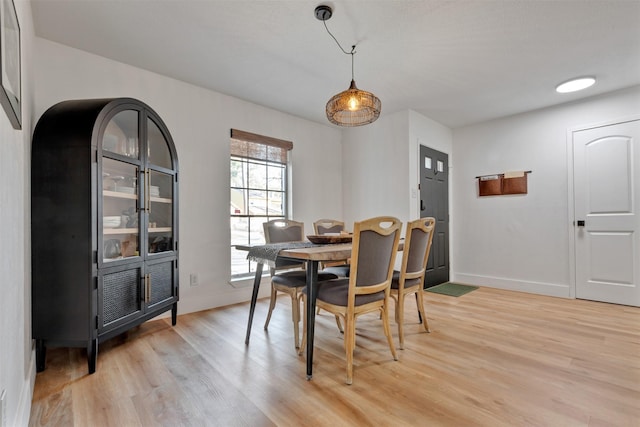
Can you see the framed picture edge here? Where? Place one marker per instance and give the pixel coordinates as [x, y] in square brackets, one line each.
[11, 103]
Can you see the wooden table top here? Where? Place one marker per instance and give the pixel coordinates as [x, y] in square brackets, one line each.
[335, 252]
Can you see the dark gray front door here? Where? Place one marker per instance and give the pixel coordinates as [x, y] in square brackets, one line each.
[434, 202]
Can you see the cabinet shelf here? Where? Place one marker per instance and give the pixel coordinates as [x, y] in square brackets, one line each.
[112, 231]
[160, 200]
[160, 230]
[119, 195]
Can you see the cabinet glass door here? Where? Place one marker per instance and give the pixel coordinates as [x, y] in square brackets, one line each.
[121, 134]
[160, 198]
[160, 191]
[158, 153]
[120, 217]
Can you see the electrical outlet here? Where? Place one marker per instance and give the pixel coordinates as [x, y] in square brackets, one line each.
[193, 280]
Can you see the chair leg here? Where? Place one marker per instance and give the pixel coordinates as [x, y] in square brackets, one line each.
[303, 344]
[272, 304]
[339, 324]
[349, 344]
[421, 311]
[295, 317]
[387, 329]
[337, 321]
[400, 318]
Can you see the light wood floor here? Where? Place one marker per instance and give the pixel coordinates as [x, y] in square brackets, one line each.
[493, 358]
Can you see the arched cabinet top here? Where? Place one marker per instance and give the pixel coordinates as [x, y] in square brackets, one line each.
[84, 122]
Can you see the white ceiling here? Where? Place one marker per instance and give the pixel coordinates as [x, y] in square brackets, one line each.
[457, 62]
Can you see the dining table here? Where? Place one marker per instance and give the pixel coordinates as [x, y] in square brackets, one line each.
[312, 254]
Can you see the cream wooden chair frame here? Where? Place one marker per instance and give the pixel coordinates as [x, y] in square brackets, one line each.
[323, 226]
[382, 226]
[295, 292]
[417, 245]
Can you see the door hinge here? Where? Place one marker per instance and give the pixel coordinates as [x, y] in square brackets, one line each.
[97, 322]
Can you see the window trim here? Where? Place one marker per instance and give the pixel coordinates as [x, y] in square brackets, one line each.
[249, 152]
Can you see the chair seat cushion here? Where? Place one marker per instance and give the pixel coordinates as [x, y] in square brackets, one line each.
[339, 270]
[395, 281]
[336, 292]
[298, 278]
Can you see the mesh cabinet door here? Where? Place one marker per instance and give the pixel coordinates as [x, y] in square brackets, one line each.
[119, 297]
[161, 282]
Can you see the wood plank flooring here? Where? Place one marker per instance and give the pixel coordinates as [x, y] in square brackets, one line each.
[493, 358]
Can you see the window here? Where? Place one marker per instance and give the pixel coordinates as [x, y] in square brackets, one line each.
[258, 192]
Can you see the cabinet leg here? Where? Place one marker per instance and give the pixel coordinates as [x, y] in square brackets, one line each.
[174, 314]
[41, 355]
[92, 355]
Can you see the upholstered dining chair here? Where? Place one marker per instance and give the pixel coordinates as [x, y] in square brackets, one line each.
[409, 280]
[339, 268]
[375, 244]
[324, 226]
[294, 279]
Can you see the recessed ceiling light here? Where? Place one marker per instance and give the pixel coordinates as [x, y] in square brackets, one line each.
[575, 85]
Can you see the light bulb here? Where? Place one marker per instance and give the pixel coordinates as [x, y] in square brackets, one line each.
[353, 103]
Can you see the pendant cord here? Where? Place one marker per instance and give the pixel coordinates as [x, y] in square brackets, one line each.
[353, 48]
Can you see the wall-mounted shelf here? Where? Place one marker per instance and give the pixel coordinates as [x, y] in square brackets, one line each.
[503, 183]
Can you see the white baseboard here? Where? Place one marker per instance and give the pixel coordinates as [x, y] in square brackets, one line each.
[23, 411]
[233, 295]
[550, 289]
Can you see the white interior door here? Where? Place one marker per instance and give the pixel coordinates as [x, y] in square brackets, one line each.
[607, 222]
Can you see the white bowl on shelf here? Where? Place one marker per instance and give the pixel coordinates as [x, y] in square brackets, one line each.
[111, 221]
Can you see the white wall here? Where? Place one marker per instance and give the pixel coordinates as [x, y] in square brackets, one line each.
[521, 242]
[375, 169]
[199, 121]
[17, 369]
[380, 164]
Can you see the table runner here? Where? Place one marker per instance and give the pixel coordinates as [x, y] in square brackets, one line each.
[268, 253]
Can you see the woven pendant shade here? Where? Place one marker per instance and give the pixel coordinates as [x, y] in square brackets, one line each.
[353, 107]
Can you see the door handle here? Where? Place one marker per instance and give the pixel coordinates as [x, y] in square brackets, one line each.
[581, 223]
[422, 205]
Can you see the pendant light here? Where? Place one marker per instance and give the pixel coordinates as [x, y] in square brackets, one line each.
[352, 107]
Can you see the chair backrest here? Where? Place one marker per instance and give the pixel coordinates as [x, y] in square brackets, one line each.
[375, 245]
[283, 230]
[324, 226]
[417, 245]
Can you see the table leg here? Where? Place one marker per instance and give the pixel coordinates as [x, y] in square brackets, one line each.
[312, 289]
[254, 298]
